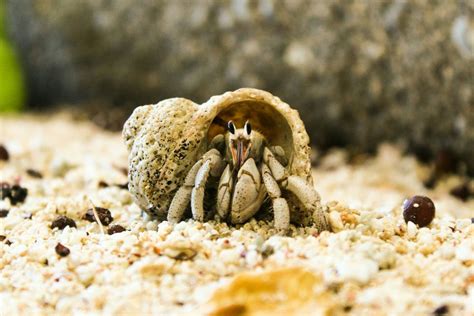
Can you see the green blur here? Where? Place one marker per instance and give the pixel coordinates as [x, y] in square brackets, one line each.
[12, 87]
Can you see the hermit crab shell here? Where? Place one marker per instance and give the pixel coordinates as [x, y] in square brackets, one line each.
[165, 139]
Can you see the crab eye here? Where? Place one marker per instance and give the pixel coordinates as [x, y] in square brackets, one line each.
[231, 127]
[248, 128]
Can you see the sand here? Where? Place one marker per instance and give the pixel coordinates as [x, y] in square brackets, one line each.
[372, 263]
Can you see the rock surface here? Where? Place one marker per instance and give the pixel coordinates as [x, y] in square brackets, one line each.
[359, 72]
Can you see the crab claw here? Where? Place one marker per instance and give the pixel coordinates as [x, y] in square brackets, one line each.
[248, 193]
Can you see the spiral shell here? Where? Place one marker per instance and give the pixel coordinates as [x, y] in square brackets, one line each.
[165, 139]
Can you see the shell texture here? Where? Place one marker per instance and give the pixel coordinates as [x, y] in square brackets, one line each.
[165, 139]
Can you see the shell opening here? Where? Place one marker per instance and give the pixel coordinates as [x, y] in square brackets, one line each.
[263, 116]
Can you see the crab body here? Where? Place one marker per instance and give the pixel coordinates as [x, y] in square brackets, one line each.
[181, 151]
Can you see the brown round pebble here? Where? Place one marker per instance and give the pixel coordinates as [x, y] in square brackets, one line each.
[3, 213]
[4, 155]
[104, 214]
[419, 209]
[62, 221]
[115, 229]
[62, 250]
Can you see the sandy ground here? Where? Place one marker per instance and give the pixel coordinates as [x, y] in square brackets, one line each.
[373, 263]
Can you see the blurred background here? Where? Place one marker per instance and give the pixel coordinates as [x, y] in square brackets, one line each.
[360, 72]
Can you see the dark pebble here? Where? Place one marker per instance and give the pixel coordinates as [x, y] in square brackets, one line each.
[4, 239]
[472, 220]
[104, 214]
[34, 173]
[18, 194]
[4, 155]
[419, 209]
[62, 221]
[103, 184]
[267, 251]
[442, 310]
[123, 170]
[462, 191]
[115, 229]
[4, 213]
[122, 186]
[62, 250]
[5, 190]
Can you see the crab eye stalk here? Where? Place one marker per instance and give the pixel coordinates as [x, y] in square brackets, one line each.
[231, 127]
[248, 128]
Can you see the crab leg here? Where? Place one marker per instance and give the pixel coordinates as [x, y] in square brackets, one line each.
[224, 193]
[213, 165]
[279, 154]
[218, 142]
[281, 211]
[310, 199]
[298, 186]
[183, 195]
[248, 193]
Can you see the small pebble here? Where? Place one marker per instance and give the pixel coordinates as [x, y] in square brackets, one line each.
[122, 186]
[5, 190]
[462, 191]
[34, 173]
[419, 209]
[267, 251]
[347, 308]
[2, 237]
[62, 222]
[102, 184]
[3, 213]
[62, 250]
[180, 253]
[4, 155]
[115, 229]
[104, 214]
[123, 170]
[18, 194]
[442, 310]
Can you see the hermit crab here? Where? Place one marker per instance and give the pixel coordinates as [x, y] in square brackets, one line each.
[233, 156]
